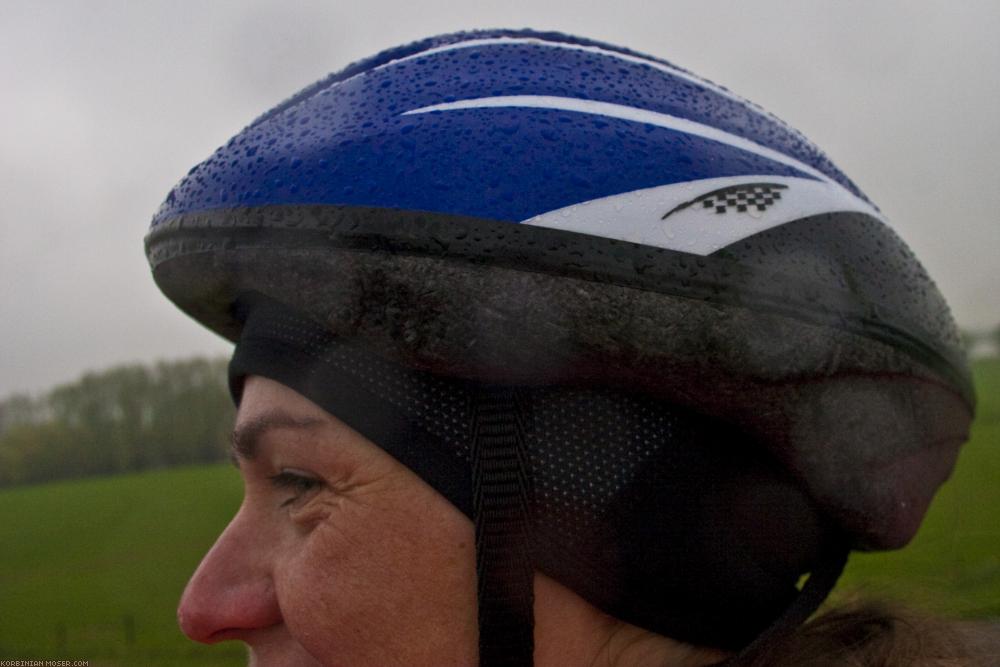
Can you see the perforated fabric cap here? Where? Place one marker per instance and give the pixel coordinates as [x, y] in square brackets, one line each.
[656, 515]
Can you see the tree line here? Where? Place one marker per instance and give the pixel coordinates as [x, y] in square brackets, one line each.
[123, 419]
[972, 340]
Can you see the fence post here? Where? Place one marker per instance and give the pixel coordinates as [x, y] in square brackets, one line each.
[128, 623]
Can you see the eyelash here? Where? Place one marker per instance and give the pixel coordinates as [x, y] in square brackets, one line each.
[298, 483]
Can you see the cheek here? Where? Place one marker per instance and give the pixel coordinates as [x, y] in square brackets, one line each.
[389, 582]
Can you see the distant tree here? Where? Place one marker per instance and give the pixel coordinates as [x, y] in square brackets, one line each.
[969, 339]
[18, 409]
[193, 413]
[122, 419]
[40, 452]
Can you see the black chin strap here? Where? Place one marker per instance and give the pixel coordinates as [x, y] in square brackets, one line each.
[501, 503]
[821, 581]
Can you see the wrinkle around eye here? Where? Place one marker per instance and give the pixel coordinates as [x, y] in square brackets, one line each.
[314, 510]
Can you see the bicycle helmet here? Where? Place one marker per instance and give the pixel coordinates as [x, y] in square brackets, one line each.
[646, 335]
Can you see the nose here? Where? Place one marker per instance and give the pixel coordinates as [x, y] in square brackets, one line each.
[231, 594]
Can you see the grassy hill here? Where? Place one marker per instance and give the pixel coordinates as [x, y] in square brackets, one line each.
[93, 569]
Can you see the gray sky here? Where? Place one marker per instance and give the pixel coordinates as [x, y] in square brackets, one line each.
[109, 103]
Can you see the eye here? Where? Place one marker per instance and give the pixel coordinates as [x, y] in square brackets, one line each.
[296, 481]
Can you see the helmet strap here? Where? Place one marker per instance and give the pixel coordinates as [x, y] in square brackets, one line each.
[502, 506]
[821, 581]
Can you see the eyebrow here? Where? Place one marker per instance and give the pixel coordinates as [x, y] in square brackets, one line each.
[246, 436]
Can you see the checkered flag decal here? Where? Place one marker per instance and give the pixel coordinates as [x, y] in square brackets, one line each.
[741, 198]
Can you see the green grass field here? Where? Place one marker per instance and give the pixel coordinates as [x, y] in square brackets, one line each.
[93, 569]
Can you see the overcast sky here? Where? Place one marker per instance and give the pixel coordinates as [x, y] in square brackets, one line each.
[107, 104]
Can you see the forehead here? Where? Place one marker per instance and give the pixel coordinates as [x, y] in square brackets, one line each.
[263, 395]
[266, 406]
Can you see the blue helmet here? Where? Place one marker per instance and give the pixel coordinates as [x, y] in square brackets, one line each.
[559, 217]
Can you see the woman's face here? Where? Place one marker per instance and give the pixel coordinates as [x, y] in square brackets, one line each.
[338, 555]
